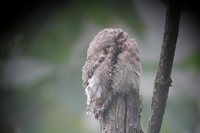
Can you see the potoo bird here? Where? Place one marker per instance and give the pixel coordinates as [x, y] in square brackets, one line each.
[112, 68]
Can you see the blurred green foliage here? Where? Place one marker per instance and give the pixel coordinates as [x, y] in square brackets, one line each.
[63, 27]
[193, 61]
[56, 102]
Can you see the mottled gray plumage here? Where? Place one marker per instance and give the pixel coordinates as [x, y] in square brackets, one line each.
[112, 68]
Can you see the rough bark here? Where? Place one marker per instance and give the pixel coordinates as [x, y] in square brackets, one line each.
[123, 116]
[163, 79]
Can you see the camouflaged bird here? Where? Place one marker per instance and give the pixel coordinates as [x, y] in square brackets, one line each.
[112, 68]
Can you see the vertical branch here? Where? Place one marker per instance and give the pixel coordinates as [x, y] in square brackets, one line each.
[163, 79]
[123, 116]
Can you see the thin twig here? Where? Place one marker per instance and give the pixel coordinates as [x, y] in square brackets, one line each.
[163, 79]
